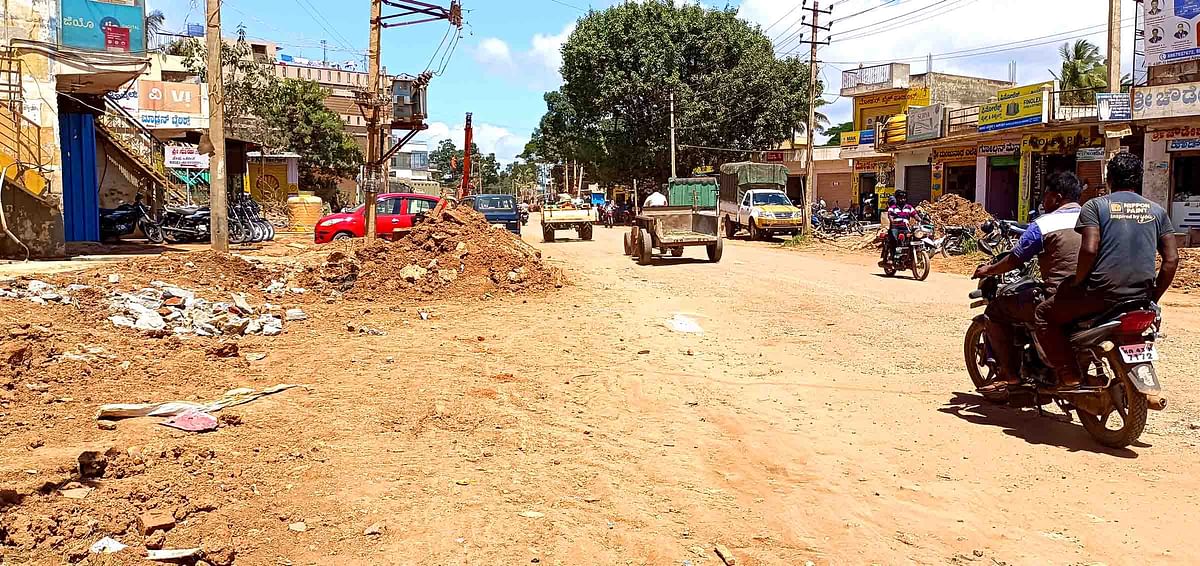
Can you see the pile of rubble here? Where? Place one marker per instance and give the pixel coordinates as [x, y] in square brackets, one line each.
[953, 210]
[38, 292]
[1188, 276]
[454, 253]
[166, 309]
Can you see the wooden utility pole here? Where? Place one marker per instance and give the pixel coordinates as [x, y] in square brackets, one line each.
[371, 178]
[468, 135]
[1112, 146]
[218, 203]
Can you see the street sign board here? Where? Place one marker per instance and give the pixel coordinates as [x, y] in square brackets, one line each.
[1113, 107]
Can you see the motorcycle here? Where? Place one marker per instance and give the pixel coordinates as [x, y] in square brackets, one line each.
[1115, 352]
[524, 217]
[184, 224]
[606, 217]
[126, 218]
[999, 236]
[910, 252]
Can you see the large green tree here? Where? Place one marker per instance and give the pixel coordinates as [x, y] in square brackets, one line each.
[294, 118]
[622, 64]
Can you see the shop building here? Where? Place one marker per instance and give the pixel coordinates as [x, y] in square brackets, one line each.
[883, 92]
[1168, 110]
[999, 153]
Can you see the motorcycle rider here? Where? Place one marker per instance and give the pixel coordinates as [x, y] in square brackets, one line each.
[1053, 239]
[899, 211]
[1120, 234]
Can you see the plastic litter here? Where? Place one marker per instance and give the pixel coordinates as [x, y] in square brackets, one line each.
[172, 554]
[686, 324]
[192, 420]
[106, 545]
[232, 398]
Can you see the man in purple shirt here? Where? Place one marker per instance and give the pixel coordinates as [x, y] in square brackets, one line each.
[899, 213]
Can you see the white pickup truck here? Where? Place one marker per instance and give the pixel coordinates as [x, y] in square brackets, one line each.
[752, 198]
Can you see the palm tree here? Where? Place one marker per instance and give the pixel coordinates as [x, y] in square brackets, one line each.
[154, 24]
[1083, 72]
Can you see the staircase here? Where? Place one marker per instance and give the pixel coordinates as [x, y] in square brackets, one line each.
[23, 147]
[133, 140]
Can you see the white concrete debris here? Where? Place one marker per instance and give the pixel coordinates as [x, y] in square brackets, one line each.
[180, 312]
[167, 309]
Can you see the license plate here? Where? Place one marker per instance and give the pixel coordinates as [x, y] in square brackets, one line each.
[1139, 353]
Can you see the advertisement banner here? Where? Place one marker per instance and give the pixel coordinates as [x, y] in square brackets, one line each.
[866, 137]
[849, 139]
[160, 96]
[926, 123]
[1184, 145]
[1171, 30]
[1089, 154]
[964, 153]
[1166, 101]
[95, 25]
[1015, 107]
[1176, 133]
[999, 149]
[1113, 107]
[184, 157]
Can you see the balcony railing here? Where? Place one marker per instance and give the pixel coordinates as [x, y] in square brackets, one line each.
[962, 120]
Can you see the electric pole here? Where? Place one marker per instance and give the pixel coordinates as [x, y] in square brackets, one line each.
[371, 168]
[218, 204]
[1112, 145]
[810, 173]
[373, 101]
[324, 56]
[673, 135]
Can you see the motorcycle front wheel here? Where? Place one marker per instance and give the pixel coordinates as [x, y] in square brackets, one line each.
[237, 232]
[920, 266]
[153, 232]
[975, 351]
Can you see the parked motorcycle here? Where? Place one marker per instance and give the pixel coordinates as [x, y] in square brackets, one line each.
[910, 252]
[185, 224]
[1115, 352]
[999, 236]
[127, 218]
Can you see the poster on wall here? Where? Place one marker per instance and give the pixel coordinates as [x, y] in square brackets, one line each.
[95, 25]
[1171, 30]
[184, 157]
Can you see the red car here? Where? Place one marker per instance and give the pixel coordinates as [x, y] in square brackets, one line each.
[393, 211]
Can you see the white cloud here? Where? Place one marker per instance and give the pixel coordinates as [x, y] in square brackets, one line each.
[494, 54]
[489, 138]
[944, 29]
[539, 64]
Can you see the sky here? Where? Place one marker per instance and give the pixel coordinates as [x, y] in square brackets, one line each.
[508, 55]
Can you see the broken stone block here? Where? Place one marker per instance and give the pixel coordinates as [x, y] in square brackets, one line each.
[152, 521]
[295, 314]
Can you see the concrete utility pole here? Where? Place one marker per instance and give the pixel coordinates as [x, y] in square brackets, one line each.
[1112, 146]
[810, 173]
[219, 221]
[371, 169]
[673, 175]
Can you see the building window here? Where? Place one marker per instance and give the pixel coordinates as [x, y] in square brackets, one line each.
[403, 161]
[420, 160]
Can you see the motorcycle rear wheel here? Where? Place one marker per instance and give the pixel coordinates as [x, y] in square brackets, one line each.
[1130, 407]
[889, 269]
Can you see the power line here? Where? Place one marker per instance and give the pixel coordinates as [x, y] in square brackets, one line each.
[561, 3]
[911, 20]
[788, 13]
[888, 21]
[887, 3]
[321, 21]
[989, 49]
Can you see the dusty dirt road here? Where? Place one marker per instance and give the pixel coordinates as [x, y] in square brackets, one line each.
[824, 415]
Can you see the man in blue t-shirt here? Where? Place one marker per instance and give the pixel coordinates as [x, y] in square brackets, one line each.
[1121, 234]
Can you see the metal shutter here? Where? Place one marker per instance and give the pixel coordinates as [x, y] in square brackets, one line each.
[918, 181]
